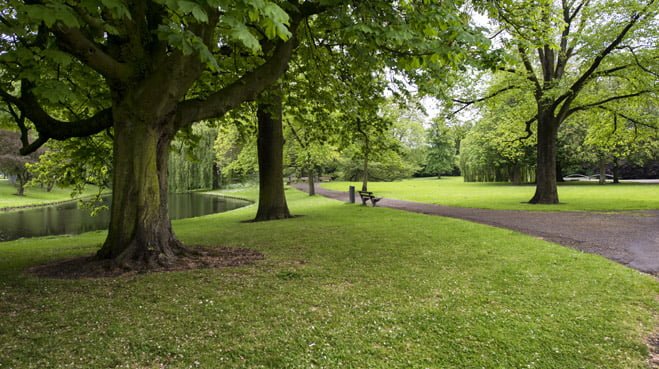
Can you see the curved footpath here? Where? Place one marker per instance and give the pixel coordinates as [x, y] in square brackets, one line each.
[630, 238]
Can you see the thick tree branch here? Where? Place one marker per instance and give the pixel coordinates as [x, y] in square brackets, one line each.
[250, 85]
[247, 88]
[529, 69]
[51, 128]
[74, 41]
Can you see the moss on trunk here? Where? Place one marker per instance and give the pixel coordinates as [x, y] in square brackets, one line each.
[140, 233]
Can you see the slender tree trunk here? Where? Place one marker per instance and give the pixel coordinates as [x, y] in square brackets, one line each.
[559, 172]
[217, 176]
[516, 174]
[602, 169]
[616, 170]
[312, 187]
[20, 186]
[365, 173]
[545, 190]
[140, 233]
[270, 146]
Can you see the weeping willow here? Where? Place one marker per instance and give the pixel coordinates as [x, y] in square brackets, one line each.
[482, 162]
[192, 160]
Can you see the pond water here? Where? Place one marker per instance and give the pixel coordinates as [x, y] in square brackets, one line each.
[68, 218]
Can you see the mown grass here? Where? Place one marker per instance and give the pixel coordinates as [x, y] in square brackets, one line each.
[342, 286]
[574, 196]
[34, 195]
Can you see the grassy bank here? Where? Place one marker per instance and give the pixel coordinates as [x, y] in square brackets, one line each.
[342, 286]
[452, 191]
[34, 195]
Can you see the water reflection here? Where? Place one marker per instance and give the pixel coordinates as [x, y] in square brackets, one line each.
[70, 219]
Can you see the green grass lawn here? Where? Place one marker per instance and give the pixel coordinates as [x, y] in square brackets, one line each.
[342, 286]
[452, 191]
[34, 195]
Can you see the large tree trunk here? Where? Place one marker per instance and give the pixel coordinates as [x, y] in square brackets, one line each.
[140, 233]
[545, 190]
[270, 146]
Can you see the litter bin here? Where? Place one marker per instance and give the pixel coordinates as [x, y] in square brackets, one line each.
[351, 193]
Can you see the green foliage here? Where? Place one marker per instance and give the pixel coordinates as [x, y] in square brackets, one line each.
[191, 159]
[441, 157]
[76, 163]
[492, 150]
[235, 149]
[389, 166]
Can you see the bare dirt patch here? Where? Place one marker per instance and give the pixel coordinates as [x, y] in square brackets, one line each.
[653, 345]
[199, 258]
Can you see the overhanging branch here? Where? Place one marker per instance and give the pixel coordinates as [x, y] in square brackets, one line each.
[49, 127]
[604, 101]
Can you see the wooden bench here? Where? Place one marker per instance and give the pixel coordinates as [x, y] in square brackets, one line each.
[367, 195]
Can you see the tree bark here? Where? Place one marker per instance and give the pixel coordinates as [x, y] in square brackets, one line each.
[516, 174]
[365, 173]
[616, 170]
[602, 169]
[20, 186]
[140, 233]
[270, 146]
[545, 190]
[312, 187]
[217, 176]
[559, 172]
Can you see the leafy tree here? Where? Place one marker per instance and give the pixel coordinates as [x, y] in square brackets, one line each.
[441, 153]
[75, 163]
[562, 52]
[619, 135]
[192, 159]
[154, 68]
[407, 129]
[12, 163]
[492, 150]
[235, 153]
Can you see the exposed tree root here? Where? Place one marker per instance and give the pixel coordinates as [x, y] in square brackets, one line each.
[182, 259]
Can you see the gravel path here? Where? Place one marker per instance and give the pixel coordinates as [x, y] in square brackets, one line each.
[630, 238]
